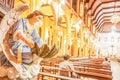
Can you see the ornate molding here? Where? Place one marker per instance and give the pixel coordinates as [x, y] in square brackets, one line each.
[3, 8]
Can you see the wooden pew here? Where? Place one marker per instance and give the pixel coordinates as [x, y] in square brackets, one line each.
[94, 70]
[91, 65]
[81, 73]
[88, 60]
[96, 75]
[89, 69]
[85, 59]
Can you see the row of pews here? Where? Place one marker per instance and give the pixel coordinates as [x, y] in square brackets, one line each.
[86, 68]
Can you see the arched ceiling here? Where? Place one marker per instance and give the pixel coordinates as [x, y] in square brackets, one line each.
[101, 12]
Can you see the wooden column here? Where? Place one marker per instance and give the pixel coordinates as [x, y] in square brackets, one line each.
[78, 6]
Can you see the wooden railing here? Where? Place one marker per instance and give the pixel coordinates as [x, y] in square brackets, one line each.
[56, 76]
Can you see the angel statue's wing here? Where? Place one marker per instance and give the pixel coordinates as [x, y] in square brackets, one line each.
[6, 26]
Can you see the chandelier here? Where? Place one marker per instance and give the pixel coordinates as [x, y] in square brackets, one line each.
[115, 18]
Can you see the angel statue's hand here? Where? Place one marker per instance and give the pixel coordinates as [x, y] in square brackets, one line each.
[24, 73]
[35, 67]
[17, 66]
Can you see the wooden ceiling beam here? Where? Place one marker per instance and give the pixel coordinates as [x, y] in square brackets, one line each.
[105, 15]
[105, 8]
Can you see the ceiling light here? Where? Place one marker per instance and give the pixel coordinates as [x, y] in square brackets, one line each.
[115, 19]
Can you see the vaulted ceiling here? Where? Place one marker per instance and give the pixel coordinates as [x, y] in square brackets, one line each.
[101, 12]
